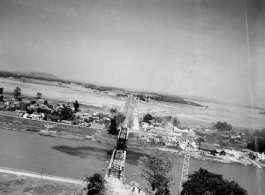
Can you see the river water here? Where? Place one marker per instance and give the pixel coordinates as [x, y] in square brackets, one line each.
[75, 159]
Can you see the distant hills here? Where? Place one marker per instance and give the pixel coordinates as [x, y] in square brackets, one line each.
[42, 75]
[142, 95]
[37, 75]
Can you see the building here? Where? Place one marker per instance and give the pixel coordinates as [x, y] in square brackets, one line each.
[135, 189]
[207, 147]
[261, 156]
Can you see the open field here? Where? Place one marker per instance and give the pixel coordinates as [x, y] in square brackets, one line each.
[240, 117]
[11, 184]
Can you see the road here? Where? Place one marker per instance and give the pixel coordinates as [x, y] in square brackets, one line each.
[39, 176]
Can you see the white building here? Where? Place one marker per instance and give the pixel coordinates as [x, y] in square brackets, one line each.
[135, 189]
[261, 156]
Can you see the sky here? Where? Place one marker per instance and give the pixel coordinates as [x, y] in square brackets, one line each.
[208, 48]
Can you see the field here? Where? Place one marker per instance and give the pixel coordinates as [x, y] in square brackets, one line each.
[15, 184]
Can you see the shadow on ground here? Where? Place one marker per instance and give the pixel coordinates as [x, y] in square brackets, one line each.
[132, 156]
[85, 152]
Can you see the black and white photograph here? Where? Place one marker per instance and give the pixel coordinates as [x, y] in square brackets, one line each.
[132, 97]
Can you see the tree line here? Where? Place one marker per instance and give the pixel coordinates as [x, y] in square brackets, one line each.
[256, 141]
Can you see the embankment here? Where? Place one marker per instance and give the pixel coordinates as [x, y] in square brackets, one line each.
[39, 175]
[25, 123]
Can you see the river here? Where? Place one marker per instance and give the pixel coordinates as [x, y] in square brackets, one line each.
[74, 159]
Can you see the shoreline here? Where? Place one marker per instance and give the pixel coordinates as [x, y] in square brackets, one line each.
[39, 175]
[98, 139]
[241, 162]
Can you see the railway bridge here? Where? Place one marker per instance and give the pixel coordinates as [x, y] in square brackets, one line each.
[116, 166]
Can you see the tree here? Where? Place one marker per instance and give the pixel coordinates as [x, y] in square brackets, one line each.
[17, 93]
[176, 123]
[95, 184]
[1, 93]
[66, 113]
[76, 106]
[222, 126]
[115, 122]
[203, 182]
[119, 118]
[147, 118]
[113, 110]
[113, 128]
[256, 141]
[39, 95]
[45, 102]
[155, 167]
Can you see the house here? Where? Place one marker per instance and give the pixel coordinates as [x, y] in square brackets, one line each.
[135, 189]
[261, 156]
[35, 116]
[225, 137]
[233, 137]
[53, 118]
[66, 122]
[157, 124]
[177, 130]
[247, 151]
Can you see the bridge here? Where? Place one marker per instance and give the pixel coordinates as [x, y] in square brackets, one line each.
[116, 166]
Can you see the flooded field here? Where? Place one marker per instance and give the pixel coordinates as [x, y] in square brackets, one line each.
[238, 116]
[65, 92]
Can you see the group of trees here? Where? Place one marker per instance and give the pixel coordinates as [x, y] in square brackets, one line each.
[256, 141]
[155, 169]
[203, 182]
[94, 184]
[222, 126]
[115, 122]
[142, 97]
[17, 93]
[176, 122]
[39, 95]
[1, 93]
[147, 118]
[65, 113]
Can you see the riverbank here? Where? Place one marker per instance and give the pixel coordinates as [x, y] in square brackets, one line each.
[74, 159]
[19, 182]
[102, 137]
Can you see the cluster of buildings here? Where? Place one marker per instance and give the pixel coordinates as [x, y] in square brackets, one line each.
[206, 142]
[37, 109]
[157, 133]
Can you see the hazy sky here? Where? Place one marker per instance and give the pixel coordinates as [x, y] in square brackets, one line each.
[209, 48]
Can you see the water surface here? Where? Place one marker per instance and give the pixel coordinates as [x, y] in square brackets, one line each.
[75, 159]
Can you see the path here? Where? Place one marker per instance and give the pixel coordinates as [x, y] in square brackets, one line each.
[135, 120]
[39, 176]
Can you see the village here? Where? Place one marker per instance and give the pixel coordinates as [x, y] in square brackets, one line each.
[205, 143]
